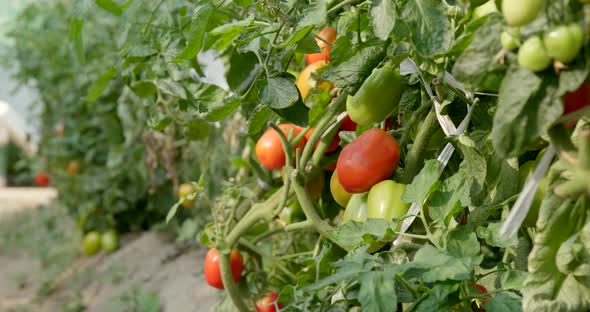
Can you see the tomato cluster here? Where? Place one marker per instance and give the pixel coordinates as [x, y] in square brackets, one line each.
[94, 241]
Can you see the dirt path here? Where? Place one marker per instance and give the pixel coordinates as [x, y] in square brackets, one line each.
[148, 273]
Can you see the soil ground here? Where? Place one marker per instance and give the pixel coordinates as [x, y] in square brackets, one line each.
[42, 271]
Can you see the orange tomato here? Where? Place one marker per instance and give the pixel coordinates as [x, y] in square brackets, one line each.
[73, 168]
[333, 144]
[305, 82]
[328, 34]
[269, 149]
[185, 190]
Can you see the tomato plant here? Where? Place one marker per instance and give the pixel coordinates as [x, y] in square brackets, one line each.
[152, 93]
[368, 160]
[212, 271]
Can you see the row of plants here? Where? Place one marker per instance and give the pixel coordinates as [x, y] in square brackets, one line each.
[436, 124]
[112, 174]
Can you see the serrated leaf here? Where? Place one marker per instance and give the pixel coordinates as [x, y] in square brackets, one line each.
[503, 302]
[280, 93]
[220, 112]
[526, 107]
[258, 119]
[383, 17]
[171, 87]
[295, 37]
[477, 66]
[431, 30]
[424, 183]
[315, 14]
[491, 234]
[440, 266]
[377, 291]
[100, 84]
[451, 197]
[197, 33]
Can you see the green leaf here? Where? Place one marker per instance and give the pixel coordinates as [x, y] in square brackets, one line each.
[440, 266]
[351, 74]
[196, 129]
[280, 93]
[463, 243]
[110, 6]
[243, 70]
[503, 302]
[424, 183]
[431, 30]
[477, 66]
[453, 195]
[258, 119]
[172, 212]
[438, 298]
[100, 84]
[141, 50]
[383, 17]
[492, 236]
[227, 33]
[377, 291]
[295, 37]
[75, 35]
[527, 105]
[197, 32]
[220, 112]
[315, 14]
[552, 284]
[353, 234]
[171, 87]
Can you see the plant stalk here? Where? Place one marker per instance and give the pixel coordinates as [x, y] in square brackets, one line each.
[415, 157]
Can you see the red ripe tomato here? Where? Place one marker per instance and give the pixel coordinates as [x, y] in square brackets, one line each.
[41, 179]
[573, 101]
[212, 272]
[368, 160]
[269, 149]
[267, 303]
[333, 144]
[347, 124]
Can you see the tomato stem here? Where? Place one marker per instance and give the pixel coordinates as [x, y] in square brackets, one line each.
[257, 212]
[293, 227]
[229, 284]
[292, 278]
[331, 112]
[584, 154]
[310, 213]
[415, 157]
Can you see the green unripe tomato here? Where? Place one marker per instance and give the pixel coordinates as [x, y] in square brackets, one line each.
[91, 243]
[356, 210]
[564, 42]
[521, 12]
[109, 241]
[484, 9]
[509, 42]
[385, 202]
[377, 98]
[532, 55]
